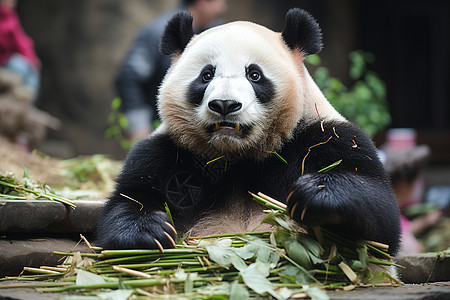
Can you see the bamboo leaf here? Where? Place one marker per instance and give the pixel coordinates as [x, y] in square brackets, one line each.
[87, 278]
[267, 255]
[255, 280]
[317, 294]
[166, 207]
[247, 252]
[278, 156]
[188, 284]
[348, 271]
[328, 168]
[277, 219]
[363, 256]
[225, 256]
[312, 245]
[291, 273]
[238, 292]
[377, 278]
[284, 293]
[262, 267]
[298, 253]
[116, 295]
[282, 236]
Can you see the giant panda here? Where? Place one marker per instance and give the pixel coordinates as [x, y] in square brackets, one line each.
[241, 113]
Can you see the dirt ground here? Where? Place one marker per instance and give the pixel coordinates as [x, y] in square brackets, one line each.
[41, 168]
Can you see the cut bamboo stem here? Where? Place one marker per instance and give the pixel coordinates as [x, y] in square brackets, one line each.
[270, 199]
[131, 272]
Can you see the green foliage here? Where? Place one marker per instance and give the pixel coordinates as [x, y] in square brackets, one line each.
[27, 189]
[117, 123]
[364, 102]
[97, 168]
[258, 265]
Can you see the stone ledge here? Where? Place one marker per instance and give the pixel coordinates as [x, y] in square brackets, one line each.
[426, 267]
[19, 251]
[429, 291]
[21, 216]
[425, 291]
[22, 251]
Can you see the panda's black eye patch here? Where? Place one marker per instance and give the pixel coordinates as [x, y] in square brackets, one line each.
[263, 86]
[254, 73]
[198, 85]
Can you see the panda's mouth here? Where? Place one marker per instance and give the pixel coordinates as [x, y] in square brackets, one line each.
[229, 129]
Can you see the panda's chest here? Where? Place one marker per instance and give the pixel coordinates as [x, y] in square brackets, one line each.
[195, 183]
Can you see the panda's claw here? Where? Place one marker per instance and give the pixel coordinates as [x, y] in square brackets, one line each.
[170, 239]
[302, 216]
[171, 227]
[159, 245]
[293, 209]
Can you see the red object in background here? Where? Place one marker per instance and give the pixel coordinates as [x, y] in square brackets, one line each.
[401, 139]
[13, 38]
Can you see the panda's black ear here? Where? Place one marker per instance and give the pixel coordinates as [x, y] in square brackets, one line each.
[177, 34]
[302, 32]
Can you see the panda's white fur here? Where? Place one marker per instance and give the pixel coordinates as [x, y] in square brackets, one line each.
[231, 48]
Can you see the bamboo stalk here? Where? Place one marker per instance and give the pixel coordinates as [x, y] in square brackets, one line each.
[87, 243]
[276, 202]
[131, 272]
[377, 244]
[40, 271]
[107, 253]
[268, 203]
[34, 284]
[82, 254]
[215, 236]
[56, 269]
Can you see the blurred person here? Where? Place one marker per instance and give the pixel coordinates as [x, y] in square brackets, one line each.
[144, 67]
[17, 53]
[405, 168]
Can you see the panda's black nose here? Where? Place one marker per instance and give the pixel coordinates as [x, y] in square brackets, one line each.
[224, 107]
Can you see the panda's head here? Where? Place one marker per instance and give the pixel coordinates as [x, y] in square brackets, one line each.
[239, 89]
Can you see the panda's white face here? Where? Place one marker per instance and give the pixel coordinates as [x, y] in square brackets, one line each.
[235, 89]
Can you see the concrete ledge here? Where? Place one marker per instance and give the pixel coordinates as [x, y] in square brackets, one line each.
[430, 291]
[427, 267]
[20, 216]
[19, 252]
[426, 291]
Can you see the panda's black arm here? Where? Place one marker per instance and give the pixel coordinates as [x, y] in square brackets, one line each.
[355, 197]
[133, 217]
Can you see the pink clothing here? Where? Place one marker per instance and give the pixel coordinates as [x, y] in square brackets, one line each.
[409, 244]
[13, 38]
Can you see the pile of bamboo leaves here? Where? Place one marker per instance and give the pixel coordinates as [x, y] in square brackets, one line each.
[26, 189]
[89, 176]
[287, 262]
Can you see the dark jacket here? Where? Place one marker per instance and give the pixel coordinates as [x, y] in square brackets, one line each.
[141, 73]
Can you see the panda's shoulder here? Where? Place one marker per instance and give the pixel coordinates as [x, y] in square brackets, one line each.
[151, 145]
[333, 131]
[151, 153]
[323, 143]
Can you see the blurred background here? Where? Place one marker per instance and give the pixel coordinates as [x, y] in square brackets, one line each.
[82, 43]
[385, 65]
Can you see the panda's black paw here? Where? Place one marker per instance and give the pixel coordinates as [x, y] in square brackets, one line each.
[312, 201]
[150, 230]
